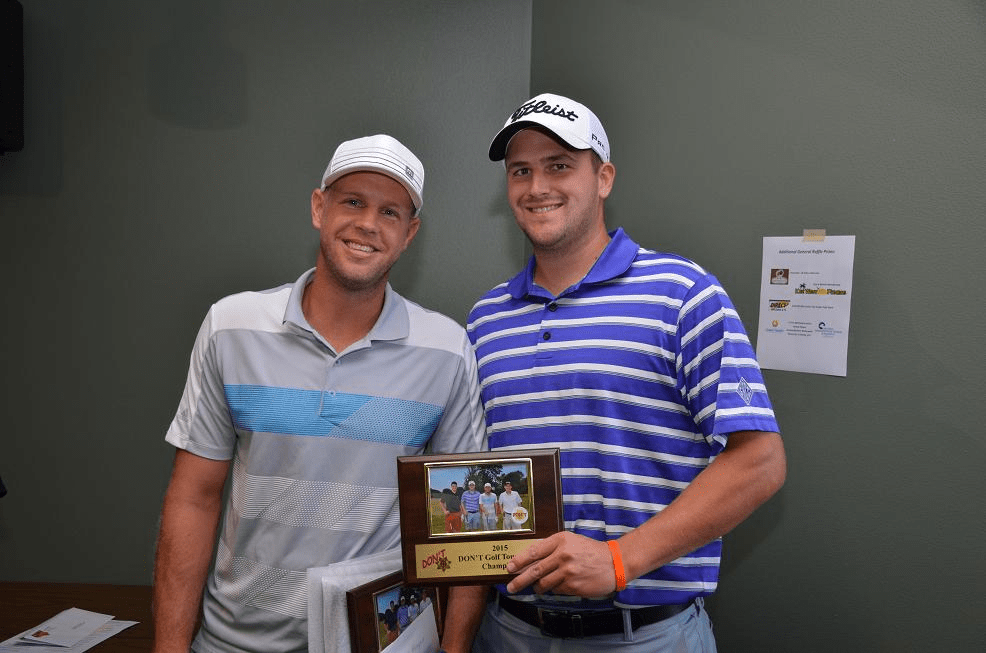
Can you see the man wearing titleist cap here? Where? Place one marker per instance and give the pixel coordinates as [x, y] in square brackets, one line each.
[488, 507]
[635, 364]
[305, 391]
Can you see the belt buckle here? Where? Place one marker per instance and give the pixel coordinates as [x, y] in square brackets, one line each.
[550, 627]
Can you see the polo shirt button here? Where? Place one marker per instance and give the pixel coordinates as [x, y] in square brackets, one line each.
[547, 335]
[552, 307]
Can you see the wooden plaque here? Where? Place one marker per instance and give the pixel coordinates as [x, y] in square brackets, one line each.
[444, 541]
[372, 630]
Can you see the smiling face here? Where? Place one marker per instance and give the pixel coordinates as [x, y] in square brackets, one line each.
[365, 222]
[556, 193]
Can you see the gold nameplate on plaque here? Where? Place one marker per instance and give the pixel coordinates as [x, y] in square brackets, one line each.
[487, 558]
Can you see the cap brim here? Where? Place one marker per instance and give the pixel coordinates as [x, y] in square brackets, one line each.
[411, 192]
[498, 148]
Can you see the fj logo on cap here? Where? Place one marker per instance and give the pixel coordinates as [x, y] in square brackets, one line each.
[542, 107]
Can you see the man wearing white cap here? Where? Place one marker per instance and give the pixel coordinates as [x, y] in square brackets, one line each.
[635, 364]
[305, 391]
[488, 507]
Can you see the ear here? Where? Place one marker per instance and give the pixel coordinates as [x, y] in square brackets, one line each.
[412, 230]
[318, 197]
[607, 174]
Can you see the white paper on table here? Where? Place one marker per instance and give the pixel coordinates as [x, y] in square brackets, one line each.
[67, 628]
[805, 293]
[17, 645]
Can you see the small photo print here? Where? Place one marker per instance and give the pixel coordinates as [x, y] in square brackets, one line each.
[481, 498]
[780, 276]
[407, 618]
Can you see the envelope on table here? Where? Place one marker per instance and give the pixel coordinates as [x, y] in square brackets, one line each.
[68, 627]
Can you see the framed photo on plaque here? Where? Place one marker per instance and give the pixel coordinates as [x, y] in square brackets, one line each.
[464, 516]
[390, 615]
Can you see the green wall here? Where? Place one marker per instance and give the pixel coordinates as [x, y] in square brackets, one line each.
[732, 121]
[171, 151]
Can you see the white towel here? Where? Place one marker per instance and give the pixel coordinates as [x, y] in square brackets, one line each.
[328, 619]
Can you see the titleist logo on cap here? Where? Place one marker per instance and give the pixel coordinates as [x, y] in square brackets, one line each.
[542, 107]
[571, 122]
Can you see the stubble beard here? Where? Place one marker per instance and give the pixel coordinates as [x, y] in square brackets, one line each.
[355, 281]
[556, 239]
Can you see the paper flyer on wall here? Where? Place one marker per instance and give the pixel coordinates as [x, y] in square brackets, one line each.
[805, 295]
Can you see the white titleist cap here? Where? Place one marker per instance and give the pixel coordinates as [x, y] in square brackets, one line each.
[383, 154]
[567, 119]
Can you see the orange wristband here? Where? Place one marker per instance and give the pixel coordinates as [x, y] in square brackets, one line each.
[621, 574]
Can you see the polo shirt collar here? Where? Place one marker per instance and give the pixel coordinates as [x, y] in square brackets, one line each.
[393, 323]
[614, 261]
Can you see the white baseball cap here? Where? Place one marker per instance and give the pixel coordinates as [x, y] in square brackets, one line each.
[383, 154]
[567, 119]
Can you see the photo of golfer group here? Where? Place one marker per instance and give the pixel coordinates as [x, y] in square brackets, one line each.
[400, 611]
[480, 498]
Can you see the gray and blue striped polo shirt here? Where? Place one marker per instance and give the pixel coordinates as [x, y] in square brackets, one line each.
[313, 436]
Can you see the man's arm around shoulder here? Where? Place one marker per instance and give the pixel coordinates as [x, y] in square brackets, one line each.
[189, 519]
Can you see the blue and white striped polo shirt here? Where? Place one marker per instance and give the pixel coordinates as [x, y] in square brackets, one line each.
[638, 373]
[313, 435]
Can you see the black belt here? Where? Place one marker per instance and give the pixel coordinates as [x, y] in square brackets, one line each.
[586, 623]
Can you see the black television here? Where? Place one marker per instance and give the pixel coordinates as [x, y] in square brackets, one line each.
[11, 76]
